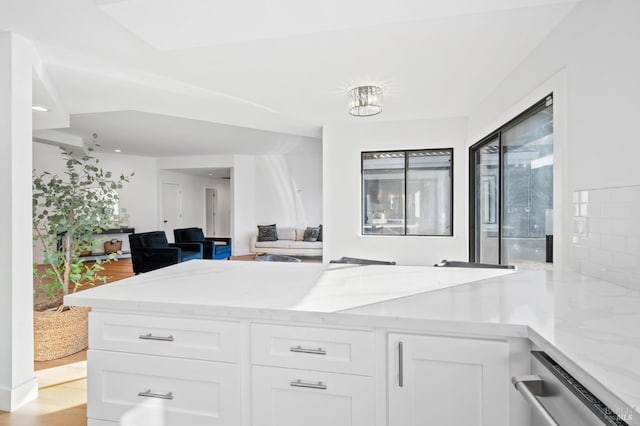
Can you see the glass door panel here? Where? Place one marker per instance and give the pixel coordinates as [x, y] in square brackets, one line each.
[487, 201]
[527, 167]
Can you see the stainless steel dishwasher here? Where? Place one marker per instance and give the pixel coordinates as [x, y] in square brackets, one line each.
[558, 399]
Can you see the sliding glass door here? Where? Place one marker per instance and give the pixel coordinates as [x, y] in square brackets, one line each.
[512, 191]
[487, 181]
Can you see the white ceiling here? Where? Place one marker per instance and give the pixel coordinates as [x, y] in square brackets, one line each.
[146, 134]
[281, 66]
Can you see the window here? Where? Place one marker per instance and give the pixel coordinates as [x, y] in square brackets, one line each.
[407, 192]
[511, 197]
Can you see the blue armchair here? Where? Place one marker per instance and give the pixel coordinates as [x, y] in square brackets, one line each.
[213, 248]
[151, 250]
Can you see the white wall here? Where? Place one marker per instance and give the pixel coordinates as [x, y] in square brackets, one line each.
[283, 189]
[591, 60]
[243, 202]
[289, 189]
[342, 145]
[194, 199]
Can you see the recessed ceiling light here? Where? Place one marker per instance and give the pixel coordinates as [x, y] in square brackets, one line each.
[39, 108]
[117, 150]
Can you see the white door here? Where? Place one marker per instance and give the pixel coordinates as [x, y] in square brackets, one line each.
[288, 397]
[211, 203]
[171, 194]
[447, 381]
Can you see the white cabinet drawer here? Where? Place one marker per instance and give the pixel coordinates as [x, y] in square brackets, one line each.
[168, 391]
[288, 397]
[165, 336]
[324, 349]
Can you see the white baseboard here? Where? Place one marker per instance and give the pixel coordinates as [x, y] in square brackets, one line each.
[12, 399]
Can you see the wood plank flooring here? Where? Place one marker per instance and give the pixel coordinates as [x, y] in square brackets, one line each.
[62, 383]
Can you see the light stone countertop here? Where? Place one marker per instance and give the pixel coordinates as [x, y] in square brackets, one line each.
[590, 327]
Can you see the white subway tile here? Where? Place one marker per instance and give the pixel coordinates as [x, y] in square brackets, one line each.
[593, 240]
[594, 210]
[600, 196]
[625, 193]
[600, 225]
[584, 196]
[614, 210]
[584, 210]
[633, 210]
[625, 227]
[600, 256]
[581, 252]
[614, 242]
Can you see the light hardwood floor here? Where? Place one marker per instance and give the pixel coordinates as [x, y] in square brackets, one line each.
[62, 383]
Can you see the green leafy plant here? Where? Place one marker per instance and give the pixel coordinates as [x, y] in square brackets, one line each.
[68, 212]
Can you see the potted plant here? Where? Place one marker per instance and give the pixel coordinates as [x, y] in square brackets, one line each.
[68, 212]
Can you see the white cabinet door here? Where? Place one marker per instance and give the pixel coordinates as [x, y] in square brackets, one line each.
[447, 381]
[288, 397]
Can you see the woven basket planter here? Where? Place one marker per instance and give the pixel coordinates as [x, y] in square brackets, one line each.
[59, 334]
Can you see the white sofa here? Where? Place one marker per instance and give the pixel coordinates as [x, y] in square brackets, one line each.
[289, 243]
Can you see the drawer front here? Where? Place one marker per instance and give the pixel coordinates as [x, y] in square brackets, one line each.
[288, 397]
[176, 337]
[170, 391]
[323, 349]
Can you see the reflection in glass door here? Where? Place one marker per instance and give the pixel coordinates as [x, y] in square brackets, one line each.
[487, 178]
[527, 165]
[512, 191]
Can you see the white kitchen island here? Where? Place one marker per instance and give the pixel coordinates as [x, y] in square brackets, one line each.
[267, 343]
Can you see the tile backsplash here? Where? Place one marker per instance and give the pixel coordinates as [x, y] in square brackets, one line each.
[606, 234]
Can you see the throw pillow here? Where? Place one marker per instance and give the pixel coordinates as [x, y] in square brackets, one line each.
[320, 234]
[267, 233]
[311, 234]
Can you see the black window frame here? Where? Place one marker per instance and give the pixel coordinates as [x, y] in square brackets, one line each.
[406, 168]
[496, 134]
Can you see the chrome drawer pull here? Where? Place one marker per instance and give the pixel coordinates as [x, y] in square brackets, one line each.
[150, 336]
[149, 394]
[302, 350]
[300, 384]
[531, 387]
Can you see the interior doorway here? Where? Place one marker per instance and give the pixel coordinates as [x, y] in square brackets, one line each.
[211, 211]
[217, 211]
[171, 194]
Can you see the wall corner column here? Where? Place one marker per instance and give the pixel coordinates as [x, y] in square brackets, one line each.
[18, 384]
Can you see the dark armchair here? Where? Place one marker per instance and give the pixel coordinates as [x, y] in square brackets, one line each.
[151, 250]
[213, 248]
